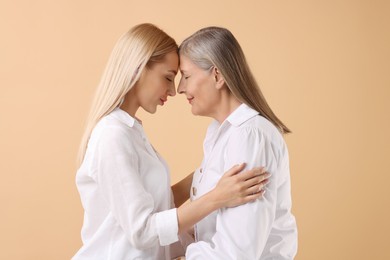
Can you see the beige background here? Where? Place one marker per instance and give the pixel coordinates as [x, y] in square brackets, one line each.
[323, 66]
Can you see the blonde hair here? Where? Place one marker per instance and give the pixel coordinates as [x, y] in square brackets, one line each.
[217, 47]
[140, 47]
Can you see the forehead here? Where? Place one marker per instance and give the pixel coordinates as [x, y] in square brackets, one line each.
[169, 63]
[186, 63]
[172, 57]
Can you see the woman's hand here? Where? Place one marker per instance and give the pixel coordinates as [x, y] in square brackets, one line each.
[235, 188]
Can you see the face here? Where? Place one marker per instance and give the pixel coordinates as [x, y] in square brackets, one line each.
[157, 83]
[200, 87]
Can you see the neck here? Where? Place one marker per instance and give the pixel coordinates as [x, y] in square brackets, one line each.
[130, 105]
[227, 105]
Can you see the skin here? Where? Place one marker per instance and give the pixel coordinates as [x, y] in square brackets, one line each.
[152, 89]
[206, 91]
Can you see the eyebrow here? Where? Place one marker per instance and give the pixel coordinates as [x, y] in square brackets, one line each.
[173, 71]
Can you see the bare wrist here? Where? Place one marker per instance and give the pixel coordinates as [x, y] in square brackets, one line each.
[213, 200]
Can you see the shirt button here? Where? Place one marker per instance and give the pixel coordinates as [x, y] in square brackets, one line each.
[193, 191]
[201, 170]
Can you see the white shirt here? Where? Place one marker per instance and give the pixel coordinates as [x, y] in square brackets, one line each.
[125, 190]
[264, 229]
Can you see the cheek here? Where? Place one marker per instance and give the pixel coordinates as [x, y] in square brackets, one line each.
[153, 89]
[206, 91]
[196, 87]
[145, 97]
[160, 85]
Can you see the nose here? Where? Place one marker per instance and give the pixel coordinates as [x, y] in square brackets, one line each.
[181, 88]
[171, 91]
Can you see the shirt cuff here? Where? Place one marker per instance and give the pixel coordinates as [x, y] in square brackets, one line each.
[167, 227]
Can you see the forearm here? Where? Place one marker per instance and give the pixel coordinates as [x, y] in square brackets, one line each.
[181, 190]
[191, 213]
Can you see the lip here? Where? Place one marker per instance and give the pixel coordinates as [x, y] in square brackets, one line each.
[163, 101]
[190, 100]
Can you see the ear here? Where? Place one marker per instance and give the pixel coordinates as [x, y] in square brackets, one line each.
[219, 79]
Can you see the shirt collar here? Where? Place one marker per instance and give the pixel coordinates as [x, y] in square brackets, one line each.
[124, 117]
[241, 114]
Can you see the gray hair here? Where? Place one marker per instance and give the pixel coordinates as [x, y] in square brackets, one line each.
[217, 47]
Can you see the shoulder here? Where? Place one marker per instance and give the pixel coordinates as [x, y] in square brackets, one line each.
[257, 128]
[110, 133]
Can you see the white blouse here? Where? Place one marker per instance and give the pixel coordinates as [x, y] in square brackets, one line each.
[264, 229]
[125, 190]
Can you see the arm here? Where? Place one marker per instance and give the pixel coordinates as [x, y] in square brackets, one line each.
[233, 189]
[122, 189]
[181, 190]
[242, 232]
[132, 206]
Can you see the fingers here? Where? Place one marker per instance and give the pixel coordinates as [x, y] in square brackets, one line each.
[257, 179]
[252, 173]
[249, 185]
[235, 169]
[248, 198]
[253, 197]
[256, 188]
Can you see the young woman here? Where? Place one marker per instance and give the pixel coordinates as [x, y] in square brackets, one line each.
[218, 83]
[123, 182]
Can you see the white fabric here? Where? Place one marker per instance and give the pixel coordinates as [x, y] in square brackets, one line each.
[125, 190]
[264, 229]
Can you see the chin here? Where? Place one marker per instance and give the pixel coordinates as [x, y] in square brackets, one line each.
[195, 112]
[151, 110]
[200, 112]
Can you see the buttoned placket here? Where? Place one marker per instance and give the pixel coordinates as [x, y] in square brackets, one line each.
[221, 130]
[145, 140]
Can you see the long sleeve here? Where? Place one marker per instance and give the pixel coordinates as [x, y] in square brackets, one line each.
[118, 177]
[242, 232]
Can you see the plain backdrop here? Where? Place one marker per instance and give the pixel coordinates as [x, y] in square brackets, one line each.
[322, 65]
